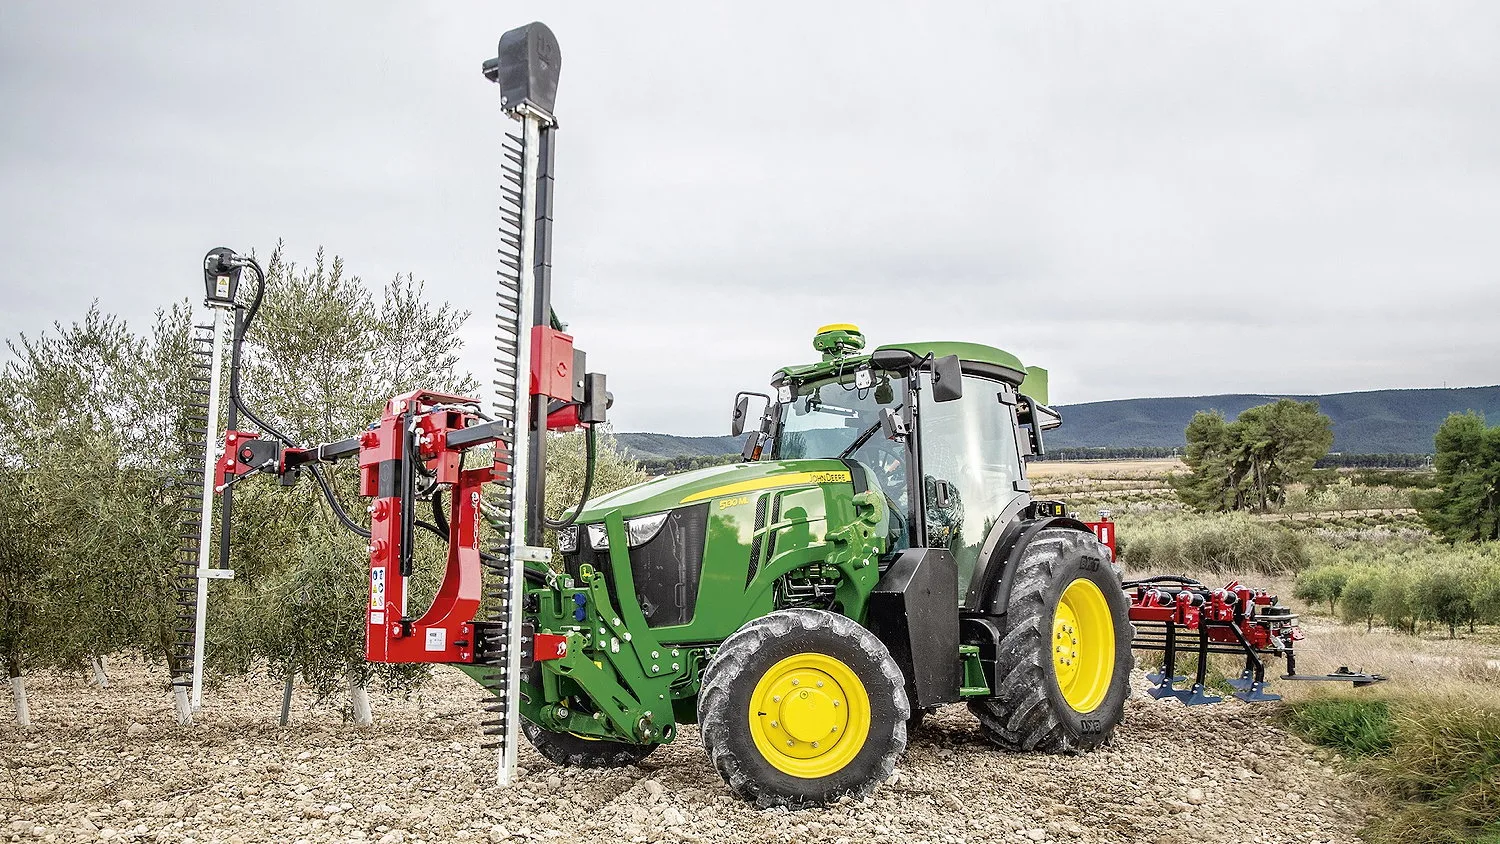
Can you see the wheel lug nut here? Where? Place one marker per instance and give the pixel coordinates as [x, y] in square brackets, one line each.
[815, 744]
[775, 724]
[820, 684]
[790, 743]
[796, 682]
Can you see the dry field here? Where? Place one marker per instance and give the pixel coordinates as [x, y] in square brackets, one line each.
[1104, 469]
[110, 766]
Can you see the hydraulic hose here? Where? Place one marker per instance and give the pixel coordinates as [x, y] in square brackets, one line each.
[241, 330]
[591, 453]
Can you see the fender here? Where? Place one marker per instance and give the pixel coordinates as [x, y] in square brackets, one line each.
[1018, 535]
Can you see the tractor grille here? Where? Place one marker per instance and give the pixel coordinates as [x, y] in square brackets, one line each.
[664, 570]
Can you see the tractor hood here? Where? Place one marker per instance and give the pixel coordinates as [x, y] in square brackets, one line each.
[671, 491]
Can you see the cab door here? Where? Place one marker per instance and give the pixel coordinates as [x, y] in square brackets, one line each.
[971, 470]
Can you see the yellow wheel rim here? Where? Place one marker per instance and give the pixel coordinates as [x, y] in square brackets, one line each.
[809, 715]
[1083, 645]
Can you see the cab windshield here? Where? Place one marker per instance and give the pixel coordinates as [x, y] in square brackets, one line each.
[826, 418]
[838, 419]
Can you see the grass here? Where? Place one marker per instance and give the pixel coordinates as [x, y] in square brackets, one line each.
[1436, 760]
[1353, 727]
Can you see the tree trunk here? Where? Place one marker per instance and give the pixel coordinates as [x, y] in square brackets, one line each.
[101, 677]
[286, 699]
[359, 702]
[18, 692]
[180, 700]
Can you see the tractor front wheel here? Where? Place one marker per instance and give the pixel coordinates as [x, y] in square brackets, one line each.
[801, 707]
[1062, 671]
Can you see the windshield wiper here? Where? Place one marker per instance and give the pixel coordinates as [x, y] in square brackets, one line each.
[864, 437]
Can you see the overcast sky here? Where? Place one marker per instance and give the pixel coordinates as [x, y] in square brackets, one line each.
[1149, 199]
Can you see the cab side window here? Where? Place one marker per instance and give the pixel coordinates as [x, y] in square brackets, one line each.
[970, 444]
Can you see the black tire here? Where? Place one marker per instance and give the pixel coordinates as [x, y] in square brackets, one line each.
[1028, 711]
[575, 751]
[748, 656]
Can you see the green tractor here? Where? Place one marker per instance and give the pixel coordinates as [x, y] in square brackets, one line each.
[876, 554]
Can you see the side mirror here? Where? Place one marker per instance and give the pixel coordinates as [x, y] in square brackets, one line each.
[947, 379]
[742, 411]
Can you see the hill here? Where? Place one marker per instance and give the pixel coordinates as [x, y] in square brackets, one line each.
[1374, 422]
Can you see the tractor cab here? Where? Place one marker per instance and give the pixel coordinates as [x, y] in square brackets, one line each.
[941, 430]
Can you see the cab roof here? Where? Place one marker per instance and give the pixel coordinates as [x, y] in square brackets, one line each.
[986, 360]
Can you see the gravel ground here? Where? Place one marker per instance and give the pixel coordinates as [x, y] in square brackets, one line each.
[111, 765]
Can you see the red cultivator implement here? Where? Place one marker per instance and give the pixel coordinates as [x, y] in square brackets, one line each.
[1171, 614]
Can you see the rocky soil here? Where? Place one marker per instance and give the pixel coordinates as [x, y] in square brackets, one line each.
[112, 765]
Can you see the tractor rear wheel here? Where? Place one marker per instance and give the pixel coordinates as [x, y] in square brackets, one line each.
[1062, 672]
[575, 751]
[801, 707]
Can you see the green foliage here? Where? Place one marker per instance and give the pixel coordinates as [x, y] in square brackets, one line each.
[1222, 543]
[1360, 591]
[90, 444]
[1250, 462]
[1324, 583]
[566, 467]
[1466, 505]
[1438, 761]
[1406, 584]
[1355, 727]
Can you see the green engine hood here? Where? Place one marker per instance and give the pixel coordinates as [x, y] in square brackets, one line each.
[730, 481]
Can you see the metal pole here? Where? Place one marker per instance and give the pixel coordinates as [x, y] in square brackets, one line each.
[205, 527]
[520, 449]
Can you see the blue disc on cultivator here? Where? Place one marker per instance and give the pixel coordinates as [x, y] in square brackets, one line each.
[1172, 613]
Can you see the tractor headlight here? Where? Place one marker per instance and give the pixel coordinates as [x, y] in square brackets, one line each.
[567, 539]
[640, 531]
[598, 538]
[637, 531]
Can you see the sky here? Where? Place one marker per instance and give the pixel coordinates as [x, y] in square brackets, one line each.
[1148, 199]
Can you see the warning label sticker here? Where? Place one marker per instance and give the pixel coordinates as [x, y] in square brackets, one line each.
[377, 589]
[437, 638]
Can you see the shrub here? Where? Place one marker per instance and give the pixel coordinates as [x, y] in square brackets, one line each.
[1232, 543]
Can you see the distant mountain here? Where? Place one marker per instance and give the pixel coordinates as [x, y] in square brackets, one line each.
[1375, 422]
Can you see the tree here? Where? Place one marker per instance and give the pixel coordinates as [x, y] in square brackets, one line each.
[1466, 504]
[1359, 597]
[1324, 583]
[1393, 601]
[1441, 594]
[1249, 463]
[60, 439]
